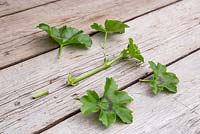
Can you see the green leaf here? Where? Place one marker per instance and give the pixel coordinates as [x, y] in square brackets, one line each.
[112, 93]
[66, 36]
[111, 106]
[110, 26]
[107, 117]
[124, 113]
[133, 51]
[90, 102]
[115, 26]
[98, 27]
[162, 80]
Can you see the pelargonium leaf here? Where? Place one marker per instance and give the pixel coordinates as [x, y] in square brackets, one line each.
[124, 113]
[133, 51]
[110, 26]
[67, 36]
[107, 117]
[111, 106]
[161, 79]
[98, 27]
[90, 102]
[115, 26]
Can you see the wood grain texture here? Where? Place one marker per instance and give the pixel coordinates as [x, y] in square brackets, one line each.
[9, 7]
[21, 40]
[157, 37]
[162, 114]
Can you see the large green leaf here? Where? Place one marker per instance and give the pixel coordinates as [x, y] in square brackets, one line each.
[67, 36]
[111, 105]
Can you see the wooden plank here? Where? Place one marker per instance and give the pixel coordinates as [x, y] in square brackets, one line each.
[21, 40]
[172, 38]
[161, 114]
[9, 7]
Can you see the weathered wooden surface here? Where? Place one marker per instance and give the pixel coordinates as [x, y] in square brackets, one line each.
[162, 114]
[9, 7]
[158, 37]
[20, 39]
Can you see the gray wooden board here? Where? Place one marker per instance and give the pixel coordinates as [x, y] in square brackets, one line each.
[9, 7]
[162, 114]
[159, 38]
[21, 40]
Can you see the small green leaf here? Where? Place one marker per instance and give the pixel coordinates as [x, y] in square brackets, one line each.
[111, 105]
[133, 51]
[67, 36]
[162, 80]
[115, 26]
[110, 26]
[98, 27]
[90, 102]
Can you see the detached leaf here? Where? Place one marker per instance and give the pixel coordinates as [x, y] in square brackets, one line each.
[133, 51]
[162, 80]
[110, 26]
[66, 36]
[111, 106]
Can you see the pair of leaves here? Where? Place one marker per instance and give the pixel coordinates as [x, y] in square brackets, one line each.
[66, 35]
[110, 106]
[110, 26]
[162, 80]
[133, 51]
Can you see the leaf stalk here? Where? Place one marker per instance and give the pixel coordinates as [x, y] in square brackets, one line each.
[73, 81]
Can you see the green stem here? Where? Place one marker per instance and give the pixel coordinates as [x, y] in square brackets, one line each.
[74, 80]
[60, 51]
[40, 94]
[105, 39]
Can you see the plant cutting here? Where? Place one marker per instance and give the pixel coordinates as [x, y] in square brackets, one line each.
[131, 51]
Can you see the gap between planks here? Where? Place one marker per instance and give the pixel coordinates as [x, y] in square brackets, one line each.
[13, 60]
